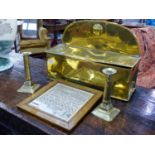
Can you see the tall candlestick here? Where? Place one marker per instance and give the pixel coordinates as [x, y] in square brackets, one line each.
[105, 110]
[28, 86]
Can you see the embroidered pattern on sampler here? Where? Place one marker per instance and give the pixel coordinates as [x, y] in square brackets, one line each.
[62, 101]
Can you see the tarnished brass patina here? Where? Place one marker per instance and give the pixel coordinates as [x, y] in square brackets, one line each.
[91, 45]
[28, 86]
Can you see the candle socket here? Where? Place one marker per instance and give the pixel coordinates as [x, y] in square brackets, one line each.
[105, 110]
[28, 86]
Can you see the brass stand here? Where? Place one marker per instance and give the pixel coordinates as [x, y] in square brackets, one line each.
[28, 86]
[105, 110]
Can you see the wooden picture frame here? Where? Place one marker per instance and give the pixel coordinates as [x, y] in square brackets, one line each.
[50, 95]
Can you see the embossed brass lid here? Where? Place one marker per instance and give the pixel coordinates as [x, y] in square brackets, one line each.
[99, 41]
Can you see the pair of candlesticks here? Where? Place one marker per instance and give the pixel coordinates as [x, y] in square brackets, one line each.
[105, 110]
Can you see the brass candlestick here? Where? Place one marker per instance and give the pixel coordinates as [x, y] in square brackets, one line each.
[105, 110]
[28, 86]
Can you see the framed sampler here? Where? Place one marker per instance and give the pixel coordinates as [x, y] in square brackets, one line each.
[61, 103]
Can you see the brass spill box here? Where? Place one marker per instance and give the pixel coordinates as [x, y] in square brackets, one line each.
[91, 45]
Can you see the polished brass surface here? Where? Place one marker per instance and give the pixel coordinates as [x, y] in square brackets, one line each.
[28, 86]
[90, 73]
[102, 35]
[95, 55]
[27, 66]
[105, 110]
[91, 45]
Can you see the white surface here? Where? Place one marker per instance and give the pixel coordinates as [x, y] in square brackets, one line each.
[29, 26]
[62, 101]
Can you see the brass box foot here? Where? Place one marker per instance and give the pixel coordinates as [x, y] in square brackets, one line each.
[107, 115]
[28, 88]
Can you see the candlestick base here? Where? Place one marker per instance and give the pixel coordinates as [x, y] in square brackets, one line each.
[28, 87]
[107, 115]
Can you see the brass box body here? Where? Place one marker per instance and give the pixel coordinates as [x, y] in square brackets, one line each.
[88, 47]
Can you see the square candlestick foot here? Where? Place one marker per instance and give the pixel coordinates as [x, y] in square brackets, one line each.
[107, 115]
[28, 88]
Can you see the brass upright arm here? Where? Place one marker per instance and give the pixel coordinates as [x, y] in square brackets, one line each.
[27, 66]
[108, 72]
[107, 90]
